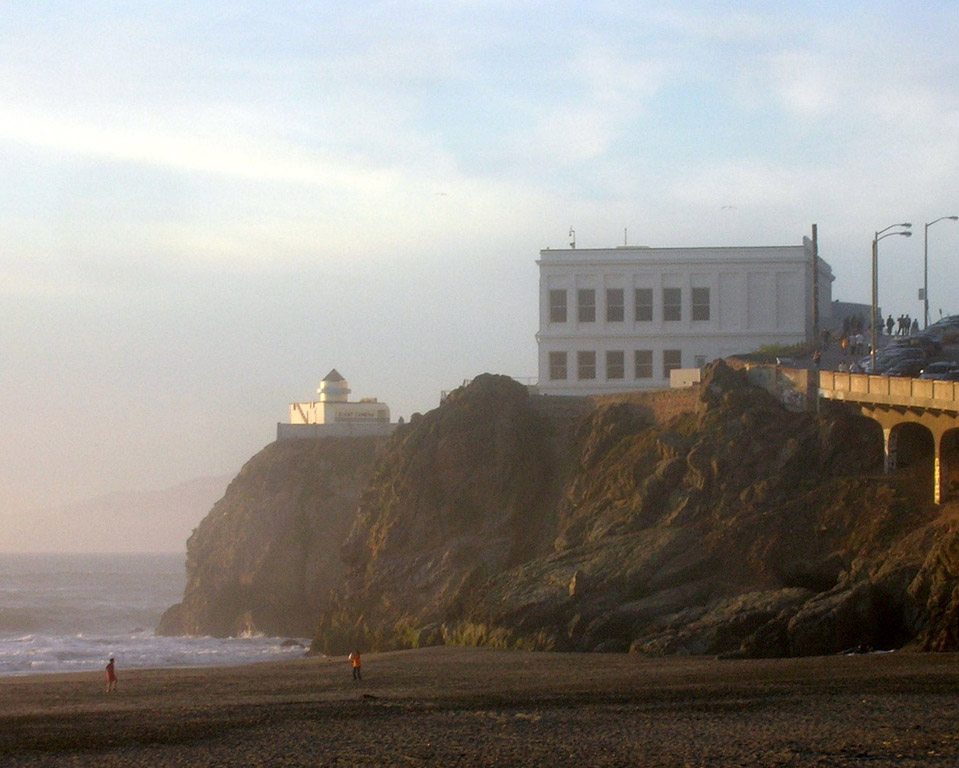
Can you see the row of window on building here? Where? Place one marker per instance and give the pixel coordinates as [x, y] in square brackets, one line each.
[672, 305]
[615, 364]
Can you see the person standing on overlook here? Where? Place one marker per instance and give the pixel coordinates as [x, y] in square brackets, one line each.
[357, 665]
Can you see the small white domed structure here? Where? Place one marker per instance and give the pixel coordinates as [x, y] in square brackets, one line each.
[334, 415]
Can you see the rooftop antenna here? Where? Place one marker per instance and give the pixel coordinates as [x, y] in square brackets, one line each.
[572, 234]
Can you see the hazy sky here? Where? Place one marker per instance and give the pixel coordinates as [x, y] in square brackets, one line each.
[205, 206]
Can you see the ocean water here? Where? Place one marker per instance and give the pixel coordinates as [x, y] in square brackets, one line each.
[69, 613]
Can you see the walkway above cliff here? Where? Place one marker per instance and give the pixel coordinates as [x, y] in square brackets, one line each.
[890, 391]
[919, 420]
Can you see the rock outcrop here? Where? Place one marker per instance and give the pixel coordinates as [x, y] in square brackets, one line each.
[735, 527]
[465, 492]
[266, 556]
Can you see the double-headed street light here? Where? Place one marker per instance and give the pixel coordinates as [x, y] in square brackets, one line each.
[875, 284]
[925, 267]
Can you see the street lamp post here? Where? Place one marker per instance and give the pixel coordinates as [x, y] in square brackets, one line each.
[875, 286]
[925, 267]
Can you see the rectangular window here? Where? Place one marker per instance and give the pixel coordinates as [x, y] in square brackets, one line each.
[672, 304]
[700, 303]
[644, 363]
[557, 366]
[586, 365]
[672, 359]
[586, 305]
[644, 305]
[615, 365]
[615, 305]
[557, 306]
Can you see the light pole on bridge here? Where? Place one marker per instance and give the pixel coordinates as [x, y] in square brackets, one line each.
[925, 267]
[875, 285]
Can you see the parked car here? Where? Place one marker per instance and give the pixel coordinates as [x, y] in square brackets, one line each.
[944, 328]
[891, 358]
[903, 352]
[905, 368]
[944, 322]
[928, 343]
[865, 364]
[938, 370]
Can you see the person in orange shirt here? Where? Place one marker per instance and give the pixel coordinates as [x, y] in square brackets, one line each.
[357, 665]
[111, 676]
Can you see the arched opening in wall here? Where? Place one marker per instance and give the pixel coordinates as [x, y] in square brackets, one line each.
[870, 445]
[852, 444]
[915, 459]
[949, 466]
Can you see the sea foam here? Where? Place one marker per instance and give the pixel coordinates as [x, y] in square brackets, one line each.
[70, 613]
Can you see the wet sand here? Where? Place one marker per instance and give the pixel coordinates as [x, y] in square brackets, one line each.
[468, 707]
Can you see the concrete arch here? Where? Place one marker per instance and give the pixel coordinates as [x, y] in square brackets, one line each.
[874, 443]
[948, 480]
[911, 452]
[893, 402]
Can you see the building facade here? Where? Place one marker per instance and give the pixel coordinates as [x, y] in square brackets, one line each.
[620, 319]
[333, 415]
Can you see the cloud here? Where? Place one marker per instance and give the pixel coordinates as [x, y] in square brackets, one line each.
[228, 156]
[604, 93]
[808, 85]
[747, 183]
[15, 283]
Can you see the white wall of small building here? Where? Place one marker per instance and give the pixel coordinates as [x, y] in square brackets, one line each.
[757, 296]
[327, 412]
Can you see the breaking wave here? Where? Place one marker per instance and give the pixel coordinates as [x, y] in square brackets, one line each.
[70, 613]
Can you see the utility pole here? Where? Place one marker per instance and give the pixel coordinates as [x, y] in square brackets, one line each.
[815, 284]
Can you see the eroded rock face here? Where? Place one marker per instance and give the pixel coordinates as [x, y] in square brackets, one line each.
[266, 556]
[465, 492]
[510, 520]
[740, 528]
[936, 586]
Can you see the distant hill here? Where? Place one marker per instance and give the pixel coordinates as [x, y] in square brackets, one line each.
[125, 521]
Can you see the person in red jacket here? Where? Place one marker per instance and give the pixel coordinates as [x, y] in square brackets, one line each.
[357, 665]
[111, 675]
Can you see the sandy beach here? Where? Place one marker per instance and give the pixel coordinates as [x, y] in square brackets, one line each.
[468, 707]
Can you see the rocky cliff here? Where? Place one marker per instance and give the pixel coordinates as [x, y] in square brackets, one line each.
[504, 519]
[736, 528]
[266, 556]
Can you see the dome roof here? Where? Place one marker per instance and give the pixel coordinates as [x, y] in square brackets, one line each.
[333, 388]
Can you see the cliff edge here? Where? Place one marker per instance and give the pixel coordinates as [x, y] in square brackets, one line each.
[737, 527]
[267, 554]
[703, 521]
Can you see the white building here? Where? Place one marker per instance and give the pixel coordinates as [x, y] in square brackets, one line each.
[620, 319]
[334, 415]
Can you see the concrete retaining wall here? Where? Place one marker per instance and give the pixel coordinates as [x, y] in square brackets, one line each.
[336, 429]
